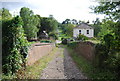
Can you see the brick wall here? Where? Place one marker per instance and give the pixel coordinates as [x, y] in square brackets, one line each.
[37, 51]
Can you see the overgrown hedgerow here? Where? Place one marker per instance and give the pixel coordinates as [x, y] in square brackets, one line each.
[15, 46]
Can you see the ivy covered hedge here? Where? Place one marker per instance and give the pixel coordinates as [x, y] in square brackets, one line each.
[14, 45]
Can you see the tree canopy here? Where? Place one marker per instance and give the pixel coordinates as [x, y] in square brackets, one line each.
[30, 21]
[48, 24]
[109, 8]
[5, 14]
[110, 35]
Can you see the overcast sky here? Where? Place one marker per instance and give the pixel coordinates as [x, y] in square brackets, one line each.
[60, 9]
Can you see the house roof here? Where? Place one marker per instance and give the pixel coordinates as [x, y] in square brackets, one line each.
[83, 26]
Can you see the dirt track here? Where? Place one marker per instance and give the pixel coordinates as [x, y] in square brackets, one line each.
[62, 67]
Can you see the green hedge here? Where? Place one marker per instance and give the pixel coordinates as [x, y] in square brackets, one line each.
[72, 44]
[82, 37]
[15, 46]
[46, 41]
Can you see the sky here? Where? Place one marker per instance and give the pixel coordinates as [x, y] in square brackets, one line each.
[60, 9]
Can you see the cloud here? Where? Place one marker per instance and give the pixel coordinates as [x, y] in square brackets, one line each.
[60, 9]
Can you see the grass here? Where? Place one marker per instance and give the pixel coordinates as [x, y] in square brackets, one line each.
[94, 41]
[8, 76]
[33, 71]
[62, 54]
[32, 42]
[88, 69]
[82, 63]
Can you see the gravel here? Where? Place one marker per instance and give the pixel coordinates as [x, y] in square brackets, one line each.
[62, 67]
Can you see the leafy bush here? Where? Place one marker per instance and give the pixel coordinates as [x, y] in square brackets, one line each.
[30, 21]
[106, 55]
[100, 55]
[108, 39]
[72, 44]
[54, 35]
[82, 37]
[15, 46]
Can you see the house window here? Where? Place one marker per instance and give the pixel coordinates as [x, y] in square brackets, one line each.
[87, 31]
[79, 31]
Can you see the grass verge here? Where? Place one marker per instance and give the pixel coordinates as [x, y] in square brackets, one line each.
[81, 62]
[94, 41]
[34, 71]
[88, 69]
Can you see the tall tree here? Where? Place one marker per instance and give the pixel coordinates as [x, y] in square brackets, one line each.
[39, 24]
[67, 21]
[30, 22]
[107, 27]
[48, 24]
[74, 21]
[69, 30]
[97, 27]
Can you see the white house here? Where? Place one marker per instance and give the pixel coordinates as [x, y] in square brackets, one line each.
[84, 29]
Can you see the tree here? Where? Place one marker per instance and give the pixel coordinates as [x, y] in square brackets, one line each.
[5, 13]
[79, 22]
[69, 30]
[39, 24]
[67, 21]
[30, 21]
[97, 27]
[107, 27]
[67, 27]
[111, 9]
[0, 14]
[74, 21]
[111, 34]
[48, 24]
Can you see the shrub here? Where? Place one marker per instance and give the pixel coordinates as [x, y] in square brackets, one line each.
[107, 59]
[100, 55]
[54, 35]
[15, 46]
[82, 37]
[108, 39]
[72, 44]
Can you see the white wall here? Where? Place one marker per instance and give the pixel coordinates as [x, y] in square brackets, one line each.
[84, 32]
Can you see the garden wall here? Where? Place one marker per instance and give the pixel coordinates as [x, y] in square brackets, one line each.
[37, 51]
[86, 49]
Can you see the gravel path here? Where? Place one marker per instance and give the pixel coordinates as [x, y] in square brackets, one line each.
[62, 67]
